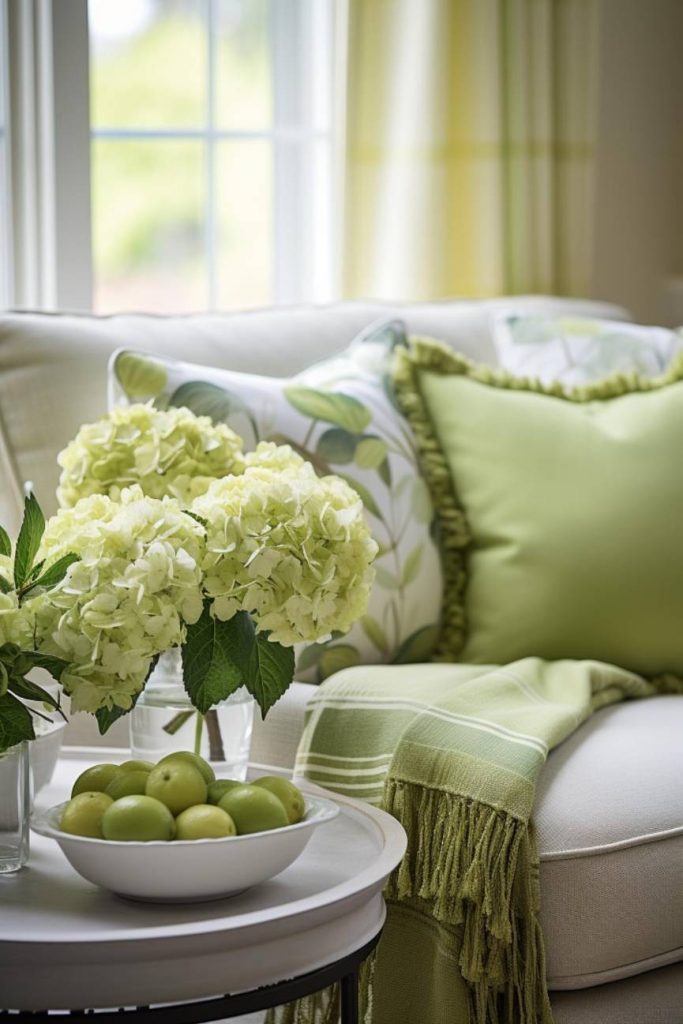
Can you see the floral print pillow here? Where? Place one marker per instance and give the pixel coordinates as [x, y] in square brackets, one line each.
[577, 350]
[340, 415]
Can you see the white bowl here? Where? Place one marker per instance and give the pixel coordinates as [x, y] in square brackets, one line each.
[183, 871]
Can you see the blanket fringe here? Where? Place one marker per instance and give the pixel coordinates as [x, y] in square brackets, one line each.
[477, 868]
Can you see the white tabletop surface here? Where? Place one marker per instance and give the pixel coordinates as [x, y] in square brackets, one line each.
[64, 943]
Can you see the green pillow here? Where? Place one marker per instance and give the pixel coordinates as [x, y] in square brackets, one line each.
[561, 512]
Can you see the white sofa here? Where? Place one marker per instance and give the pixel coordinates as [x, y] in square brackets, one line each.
[609, 812]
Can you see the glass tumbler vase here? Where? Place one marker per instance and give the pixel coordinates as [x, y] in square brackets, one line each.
[15, 807]
[164, 720]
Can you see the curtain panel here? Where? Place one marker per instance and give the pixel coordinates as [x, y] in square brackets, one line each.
[470, 131]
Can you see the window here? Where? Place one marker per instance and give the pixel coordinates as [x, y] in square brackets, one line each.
[5, 288]
[211, 153]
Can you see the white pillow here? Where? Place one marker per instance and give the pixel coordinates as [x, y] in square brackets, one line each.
[575, 350]
[340, 415]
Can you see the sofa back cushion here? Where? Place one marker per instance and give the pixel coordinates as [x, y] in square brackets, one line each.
[53, 366]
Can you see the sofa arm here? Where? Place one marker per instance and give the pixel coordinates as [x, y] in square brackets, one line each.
[275, 740]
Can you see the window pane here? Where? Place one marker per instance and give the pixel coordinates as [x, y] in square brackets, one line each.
[244, 184]
[243, 65]
[148, 225]
[147, 63]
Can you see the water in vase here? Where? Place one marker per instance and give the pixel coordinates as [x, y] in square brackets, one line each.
[163, 720]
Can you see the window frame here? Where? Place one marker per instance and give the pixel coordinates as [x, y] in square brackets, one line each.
[51, 154]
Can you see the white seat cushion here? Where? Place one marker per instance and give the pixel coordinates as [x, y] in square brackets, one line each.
[609, 816]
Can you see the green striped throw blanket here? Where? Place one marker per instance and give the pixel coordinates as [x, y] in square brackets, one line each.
[454, 752]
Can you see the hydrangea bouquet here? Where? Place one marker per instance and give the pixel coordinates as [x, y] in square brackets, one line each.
[170, 536]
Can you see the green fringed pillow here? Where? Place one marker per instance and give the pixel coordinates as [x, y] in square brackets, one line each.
[561, 513]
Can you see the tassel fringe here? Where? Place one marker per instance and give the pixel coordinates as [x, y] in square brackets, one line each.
[476, 868]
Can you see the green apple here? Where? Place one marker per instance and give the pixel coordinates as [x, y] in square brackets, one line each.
[178, 784]
[202, 766]
[253, 809]
[204, 821]
[84, 814]
[95, 779]
[137, 818]
[136, 766]
[221, 786]
[127, 783]
[291, 798]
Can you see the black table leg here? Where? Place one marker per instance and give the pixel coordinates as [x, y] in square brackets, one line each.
[349, 998]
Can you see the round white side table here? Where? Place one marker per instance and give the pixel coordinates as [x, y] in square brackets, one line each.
[66, 945]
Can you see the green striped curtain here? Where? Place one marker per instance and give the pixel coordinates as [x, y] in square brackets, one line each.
[469, 147]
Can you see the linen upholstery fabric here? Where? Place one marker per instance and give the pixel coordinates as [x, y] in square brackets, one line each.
[340, 416]
[463, 749]
[562, 509]
[608, 798]
[574, 350]
[53, 366]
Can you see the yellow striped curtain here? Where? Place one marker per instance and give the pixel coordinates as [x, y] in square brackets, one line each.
[469, 147]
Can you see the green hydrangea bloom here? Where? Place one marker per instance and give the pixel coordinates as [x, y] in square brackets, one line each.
[124, 602]
[165, 451]
[290, 548]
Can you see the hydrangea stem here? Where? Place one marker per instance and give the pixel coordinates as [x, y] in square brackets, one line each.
[199, 725]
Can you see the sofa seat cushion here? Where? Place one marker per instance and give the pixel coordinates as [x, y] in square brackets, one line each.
[609, 819]
[609, 816]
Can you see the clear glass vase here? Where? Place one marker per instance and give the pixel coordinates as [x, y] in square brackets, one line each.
[164, 720]
[15, 807]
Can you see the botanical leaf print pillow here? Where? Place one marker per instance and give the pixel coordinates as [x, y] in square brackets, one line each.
[577, 350]
[341, 416]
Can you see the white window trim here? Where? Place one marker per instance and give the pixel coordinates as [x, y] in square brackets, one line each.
[49, 167]
[51, 145]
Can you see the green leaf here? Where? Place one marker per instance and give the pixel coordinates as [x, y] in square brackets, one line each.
[364, 495]
[212, 665]
[420, 501]
[107, 716]
[5, 543]
[336, 658]
[371, 453]
[417, 647]
[16, 723]
[384, 470]
[36, 570]
[270, 668]
[28, 541]
[411, 566]
[140, 376]
[309, 657]
[375, 633]
[55, 666]
[206, 399]
[5, 587]
[31, 691]
[337, 445]
[387, 580]
[331, 407]
[55, 574]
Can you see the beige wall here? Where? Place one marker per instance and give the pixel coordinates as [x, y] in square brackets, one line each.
[639, 190]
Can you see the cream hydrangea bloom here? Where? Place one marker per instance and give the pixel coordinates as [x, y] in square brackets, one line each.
[124, 602]
[164, 451]
[291, 549]
[14, 628]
